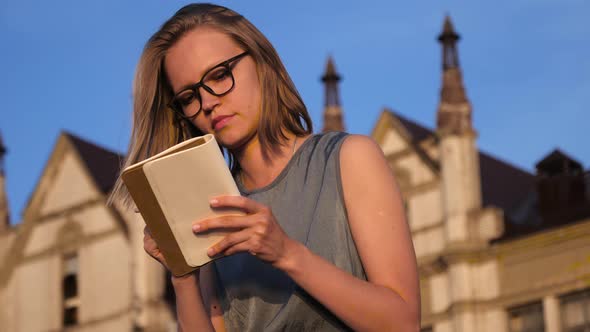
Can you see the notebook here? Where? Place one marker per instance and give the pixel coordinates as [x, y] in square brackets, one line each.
[172, 190]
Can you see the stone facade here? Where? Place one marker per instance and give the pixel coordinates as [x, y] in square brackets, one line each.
[474, 285]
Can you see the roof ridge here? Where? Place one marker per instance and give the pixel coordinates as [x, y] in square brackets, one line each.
[482, 152]
[412, 121]
[103, 164]
[417, 131]
[503, 161]
[78, 139]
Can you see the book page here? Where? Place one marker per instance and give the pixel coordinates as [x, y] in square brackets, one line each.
[195, 141]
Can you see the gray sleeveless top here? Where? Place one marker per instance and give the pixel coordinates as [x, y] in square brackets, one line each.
[307, 201]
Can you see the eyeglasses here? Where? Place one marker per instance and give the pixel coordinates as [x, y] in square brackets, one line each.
[218, 81]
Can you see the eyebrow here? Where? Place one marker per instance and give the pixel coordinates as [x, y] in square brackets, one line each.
[188, 86]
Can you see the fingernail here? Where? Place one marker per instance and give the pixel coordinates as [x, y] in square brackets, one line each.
[196, 227]
[210, 251]
[213, 201]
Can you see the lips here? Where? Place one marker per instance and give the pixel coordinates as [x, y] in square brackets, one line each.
[220, 121]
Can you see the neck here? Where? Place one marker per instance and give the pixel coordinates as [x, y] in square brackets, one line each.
[257, 171]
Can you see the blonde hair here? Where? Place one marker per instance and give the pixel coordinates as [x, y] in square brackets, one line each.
[155, 127]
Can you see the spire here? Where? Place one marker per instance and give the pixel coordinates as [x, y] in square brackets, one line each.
[4, 212]
[332, 110]
[448, 38]
[331, 79]
[454, 113]
[459, 157]
[2, 153]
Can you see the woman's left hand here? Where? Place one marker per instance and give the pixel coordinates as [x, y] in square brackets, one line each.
[257, 232]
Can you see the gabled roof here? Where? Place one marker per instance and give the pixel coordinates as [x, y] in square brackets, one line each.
[418, 132]
[503, 185]
[103, 165]
[100, 164]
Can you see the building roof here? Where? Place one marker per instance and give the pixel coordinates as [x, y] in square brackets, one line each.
[416, 131]
[558, 162]
[103, 164]
[515, 190]
[503, 185]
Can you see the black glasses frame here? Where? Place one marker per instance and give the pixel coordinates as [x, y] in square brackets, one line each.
[173, 104]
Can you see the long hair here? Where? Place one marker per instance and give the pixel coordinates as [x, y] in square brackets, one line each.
[155, 127]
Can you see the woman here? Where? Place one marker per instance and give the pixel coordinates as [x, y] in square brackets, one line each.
[324, 244]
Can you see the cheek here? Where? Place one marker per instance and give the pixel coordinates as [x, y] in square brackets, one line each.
[202, 124]
[246, 101]
[253, 98]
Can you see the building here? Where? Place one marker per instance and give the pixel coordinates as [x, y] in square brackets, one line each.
[74, 262]
[499, 249]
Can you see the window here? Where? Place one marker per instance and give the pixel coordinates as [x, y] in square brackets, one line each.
[71, 300]
[527, 318]
[575, 312]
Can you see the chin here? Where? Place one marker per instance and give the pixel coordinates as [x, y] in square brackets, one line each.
[227, 139]
[231, 138]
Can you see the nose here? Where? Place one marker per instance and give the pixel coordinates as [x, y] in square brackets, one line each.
[208, 100]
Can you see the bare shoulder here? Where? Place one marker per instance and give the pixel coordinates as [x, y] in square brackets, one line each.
[365, 172]
[361, 151]
[358, 143]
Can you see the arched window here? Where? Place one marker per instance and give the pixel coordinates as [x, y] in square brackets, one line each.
[71, 300]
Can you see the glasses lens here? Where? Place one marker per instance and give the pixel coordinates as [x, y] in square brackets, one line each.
[187, 103]
[219, 80]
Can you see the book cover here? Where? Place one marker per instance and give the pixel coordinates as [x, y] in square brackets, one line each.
[172, 190]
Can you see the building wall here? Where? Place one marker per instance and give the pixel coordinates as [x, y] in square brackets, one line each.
[540, 268]
[555, 262]
[104, 278]
[6, 292]
[475, 286]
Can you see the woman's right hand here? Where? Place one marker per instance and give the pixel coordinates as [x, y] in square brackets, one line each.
[151, 247]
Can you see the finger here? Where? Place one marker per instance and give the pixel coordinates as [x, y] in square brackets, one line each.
[150, 247]
[222, 222]
[245, 246]
[152, 250]
[244, 203]
[229, 241]
[149, 243]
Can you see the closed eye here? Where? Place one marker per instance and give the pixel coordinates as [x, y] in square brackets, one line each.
[218, 74]
[186, 98]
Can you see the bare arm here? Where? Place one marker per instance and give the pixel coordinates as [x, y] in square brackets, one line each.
[190, 310]
[197, 307]
[208, 280]
[390, 300]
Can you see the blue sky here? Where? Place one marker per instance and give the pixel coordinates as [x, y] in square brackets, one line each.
[68, 65]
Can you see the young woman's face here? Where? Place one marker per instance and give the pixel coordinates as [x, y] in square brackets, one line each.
[232, 117]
